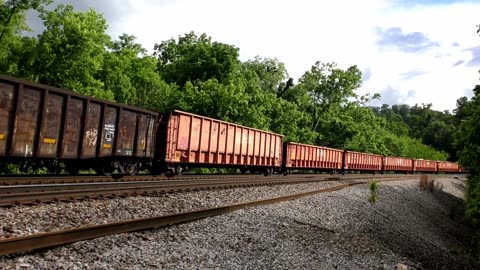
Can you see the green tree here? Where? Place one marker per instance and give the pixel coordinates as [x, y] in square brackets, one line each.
[265, 84]
[395, 122]
[272, 74]
[15, 49]
[131, 75]
[433, 128]
[459, 111]
[71, 51]
[12, 16]
[329, 90]
[467, 142]
[195, 58]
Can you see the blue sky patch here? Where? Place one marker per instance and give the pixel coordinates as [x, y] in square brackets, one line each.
[412, 42]
[366, 74]
[411, 3]
[411, 74]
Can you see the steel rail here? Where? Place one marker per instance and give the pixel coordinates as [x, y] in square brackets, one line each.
[90, 191]
[68, 186]
[62, 179]
[61, 237]
[75, 194]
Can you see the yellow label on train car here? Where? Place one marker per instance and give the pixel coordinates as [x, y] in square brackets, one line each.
[2, 136]
[177, 156]
[107, 146]
[49, 140]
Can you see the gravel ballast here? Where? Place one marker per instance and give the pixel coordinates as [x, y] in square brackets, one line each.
[340, 230]
[25, 220]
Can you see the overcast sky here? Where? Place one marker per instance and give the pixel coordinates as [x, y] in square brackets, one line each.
[409, 51]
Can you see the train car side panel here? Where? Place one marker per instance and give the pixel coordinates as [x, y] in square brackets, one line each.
[421, 165]
[26, 122]
[126, 135]
[73, 128]
[303, 156]
[109, 129]
[362, 161]
[142, 137]
[207, 141]
[6, 109]
[446, 166]
[91, 130]
[398, 164]
[51, 126]
[145, 135]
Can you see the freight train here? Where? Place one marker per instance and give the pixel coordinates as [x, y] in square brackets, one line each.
[53, 126]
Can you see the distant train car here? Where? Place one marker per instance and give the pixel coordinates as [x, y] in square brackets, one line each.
[39, 122]
[358, 161]
[447, 166]
[397, 164]
[421, 165]
[310, 157]
[189, 140]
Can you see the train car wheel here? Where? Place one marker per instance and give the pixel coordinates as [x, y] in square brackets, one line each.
[129, 167]
[106, 169]
[178, 170]
[268, 171]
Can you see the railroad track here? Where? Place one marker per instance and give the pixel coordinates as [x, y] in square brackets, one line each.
[51, 239]
[65, 179]
[34, 194]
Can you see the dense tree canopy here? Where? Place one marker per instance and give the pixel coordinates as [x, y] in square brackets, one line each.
[468, 143]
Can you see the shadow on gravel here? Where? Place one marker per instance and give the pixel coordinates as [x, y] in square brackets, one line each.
[428, 227]
[461, 186]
